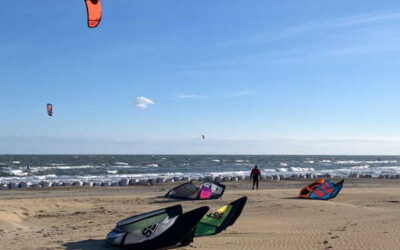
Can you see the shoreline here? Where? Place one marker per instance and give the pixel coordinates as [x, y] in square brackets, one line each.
[124, 182]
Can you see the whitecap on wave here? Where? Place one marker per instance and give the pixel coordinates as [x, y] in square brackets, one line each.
[381, 162]
[297, 169]
[360, 167]
[121, 163]
[17, 172]
[350, 162]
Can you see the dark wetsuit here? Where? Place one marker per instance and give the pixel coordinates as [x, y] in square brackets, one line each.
[255, 175]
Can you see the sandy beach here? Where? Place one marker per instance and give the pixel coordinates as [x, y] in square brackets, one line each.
[365, 215]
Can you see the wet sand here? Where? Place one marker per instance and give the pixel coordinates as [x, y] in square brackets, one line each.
[365, 215]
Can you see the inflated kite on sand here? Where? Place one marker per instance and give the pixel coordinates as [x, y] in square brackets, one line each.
[322, 189]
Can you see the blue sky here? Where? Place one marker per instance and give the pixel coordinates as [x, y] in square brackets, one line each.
[259, 77]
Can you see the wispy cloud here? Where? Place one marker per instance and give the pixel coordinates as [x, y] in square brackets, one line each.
[358, 35]
[190, 96]
[143, 102]
[312, 27]
[241, 93]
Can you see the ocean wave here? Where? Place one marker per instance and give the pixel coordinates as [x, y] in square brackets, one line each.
[360, 167]
[298, 169]
[295, 169]
[381, 162]
[353, 162]
[350, 162]
[76, 167]
[389, 169]
[121, 163]
[17, 172]
[36, 169]
[154, 165]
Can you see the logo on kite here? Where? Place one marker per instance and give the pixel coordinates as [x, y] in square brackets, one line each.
[215, 215]
[93, 8]
[49, 109]
[148, 231]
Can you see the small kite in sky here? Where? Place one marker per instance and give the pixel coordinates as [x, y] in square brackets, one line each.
[49, 109]
[93, 8]
[203, 136]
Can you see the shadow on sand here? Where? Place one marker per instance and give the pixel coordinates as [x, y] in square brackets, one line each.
[292, 198]
[88, 245]
[163, 200]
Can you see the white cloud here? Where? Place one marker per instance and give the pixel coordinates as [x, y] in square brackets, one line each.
[190, 96]
[143, 102]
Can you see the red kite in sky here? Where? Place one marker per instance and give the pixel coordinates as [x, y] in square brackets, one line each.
[93, 8]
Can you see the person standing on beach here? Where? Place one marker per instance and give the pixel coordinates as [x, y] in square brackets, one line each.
[255, 175]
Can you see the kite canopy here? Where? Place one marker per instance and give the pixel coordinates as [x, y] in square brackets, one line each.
[189, 191]
[216, 222]
[49, 109]
[322, 189]
[157, 229]
[93, 8]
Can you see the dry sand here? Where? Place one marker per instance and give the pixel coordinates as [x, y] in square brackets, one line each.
[365, 215]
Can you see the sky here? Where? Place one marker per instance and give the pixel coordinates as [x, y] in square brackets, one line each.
[255, 77]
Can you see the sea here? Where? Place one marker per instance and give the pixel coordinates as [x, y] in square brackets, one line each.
[96, 168]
